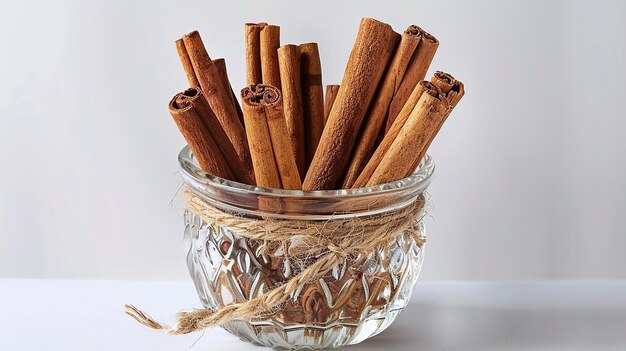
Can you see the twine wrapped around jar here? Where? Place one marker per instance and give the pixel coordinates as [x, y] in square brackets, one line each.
[317, 246]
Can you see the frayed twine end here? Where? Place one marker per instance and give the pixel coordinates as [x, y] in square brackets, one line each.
[143, 318]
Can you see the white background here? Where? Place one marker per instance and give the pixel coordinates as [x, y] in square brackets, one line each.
[530, 179]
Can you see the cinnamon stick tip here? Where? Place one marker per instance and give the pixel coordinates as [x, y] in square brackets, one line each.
[270, 28]
[429, 37]
[374, 20]
[289, 47]
[309, 44]
[261, 94]
[413, 30]
[430, 88]
[458, 87]
[446, 77]
[181, 101]
[193, 33]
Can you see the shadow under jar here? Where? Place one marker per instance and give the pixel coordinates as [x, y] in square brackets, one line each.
[357, 299]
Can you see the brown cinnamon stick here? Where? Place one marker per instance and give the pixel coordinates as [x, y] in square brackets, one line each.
[415, 72]
[193, 80]
[453, 90]
[281, 141]
[289, 65]
[401, 158]
[312, 97]
[252, 32]
[380, 106]
[368, 60]
[217, 95]
[329, 100]
[220, 63]
[269, 44]
[258, 132]
[186, 62]
[192, 127]
[194, 98]
[393, 132]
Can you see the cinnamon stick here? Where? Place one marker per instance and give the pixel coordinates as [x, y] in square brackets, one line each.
[393, 132]
[415, 72]
[368, 60]
[258, 132]
[400, 160]
[269, 44]
[331, 94]
[192, 127]
[193, 80]
[380, 106]
[186, 62]
[281, 141]
[220, 63]
[252, 32]
[194, 97]
[312, 97]
[453, 90]
[217, 95]
[289, 66]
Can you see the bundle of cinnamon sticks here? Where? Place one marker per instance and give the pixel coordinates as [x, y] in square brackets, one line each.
[373, 128]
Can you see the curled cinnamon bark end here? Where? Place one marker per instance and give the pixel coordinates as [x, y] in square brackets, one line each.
[183, 99]
[459, 91]
[195, 119]
[272, 155]
[260, 94]
[450, 86]
[413, 30]
[205, 148]
[444, 81]
[431, 89]
[428, 37]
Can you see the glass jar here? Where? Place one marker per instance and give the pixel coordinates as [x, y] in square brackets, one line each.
[359, 298]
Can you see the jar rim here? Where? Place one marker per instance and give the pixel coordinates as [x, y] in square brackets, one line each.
[228, 194]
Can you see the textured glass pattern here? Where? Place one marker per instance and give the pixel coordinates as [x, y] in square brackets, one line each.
[358, 299]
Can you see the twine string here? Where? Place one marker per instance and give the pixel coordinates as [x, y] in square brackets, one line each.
[328, 242]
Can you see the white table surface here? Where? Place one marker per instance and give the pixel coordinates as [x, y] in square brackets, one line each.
[87, 315]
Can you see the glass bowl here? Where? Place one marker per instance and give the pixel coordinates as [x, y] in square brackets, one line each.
[357, 299]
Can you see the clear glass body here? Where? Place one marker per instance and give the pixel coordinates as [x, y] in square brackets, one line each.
[357, 299]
